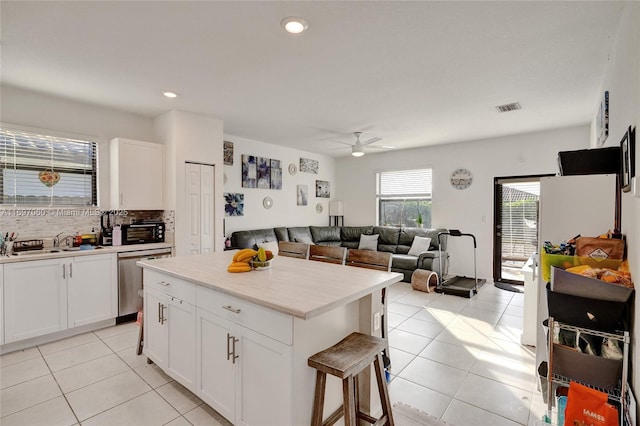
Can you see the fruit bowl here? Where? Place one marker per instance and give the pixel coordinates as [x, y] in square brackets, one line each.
[257, 265]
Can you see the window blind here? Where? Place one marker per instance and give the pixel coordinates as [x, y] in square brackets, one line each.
[405, 183]
[42, 170]
[519, 213]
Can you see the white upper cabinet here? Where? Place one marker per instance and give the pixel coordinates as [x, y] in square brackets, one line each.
[137, 175]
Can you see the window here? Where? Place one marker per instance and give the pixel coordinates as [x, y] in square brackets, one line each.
[40, 170]
[404, 196]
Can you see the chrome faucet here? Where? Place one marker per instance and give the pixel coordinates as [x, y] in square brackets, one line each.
[56, 240]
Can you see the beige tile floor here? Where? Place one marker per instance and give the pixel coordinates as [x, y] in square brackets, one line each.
[454, 358]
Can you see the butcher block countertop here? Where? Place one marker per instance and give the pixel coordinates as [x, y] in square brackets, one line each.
[298, 287]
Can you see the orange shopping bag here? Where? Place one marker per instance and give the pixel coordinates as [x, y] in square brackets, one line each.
[589, 407]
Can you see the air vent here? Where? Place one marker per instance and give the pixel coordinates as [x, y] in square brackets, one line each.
[509, 107]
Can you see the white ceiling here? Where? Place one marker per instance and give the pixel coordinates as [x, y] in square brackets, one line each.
[413, 73]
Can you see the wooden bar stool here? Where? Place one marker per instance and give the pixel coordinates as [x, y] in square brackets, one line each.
[345, 360]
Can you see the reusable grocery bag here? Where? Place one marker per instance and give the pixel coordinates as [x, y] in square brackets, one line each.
[589, 407]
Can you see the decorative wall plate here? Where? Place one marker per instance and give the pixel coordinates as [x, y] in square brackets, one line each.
[461, 179]
[293, 169]
[267, 202]
[319, 208]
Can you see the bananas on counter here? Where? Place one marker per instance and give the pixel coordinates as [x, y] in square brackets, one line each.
[241, 260]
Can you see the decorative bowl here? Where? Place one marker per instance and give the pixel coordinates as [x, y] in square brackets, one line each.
[256, 265]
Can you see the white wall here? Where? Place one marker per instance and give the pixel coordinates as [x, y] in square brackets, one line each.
[470, 210]
[194, 138]
[284, 212]
[622, 80]
[65, 117]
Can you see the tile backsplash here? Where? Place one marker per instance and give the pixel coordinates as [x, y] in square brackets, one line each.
[43, 223]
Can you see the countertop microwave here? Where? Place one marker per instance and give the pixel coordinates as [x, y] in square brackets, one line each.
[143, 233]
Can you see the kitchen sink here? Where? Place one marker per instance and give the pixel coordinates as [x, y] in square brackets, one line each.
[48, 251]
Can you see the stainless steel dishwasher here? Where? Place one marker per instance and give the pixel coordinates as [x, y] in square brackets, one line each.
[130, 280]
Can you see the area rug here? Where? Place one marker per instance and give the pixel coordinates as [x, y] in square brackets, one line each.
[510, 287]
[405, 415]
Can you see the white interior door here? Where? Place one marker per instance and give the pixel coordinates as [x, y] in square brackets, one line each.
[200, 207]
[206, 208]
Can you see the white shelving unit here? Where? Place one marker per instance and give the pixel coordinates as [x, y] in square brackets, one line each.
[618, 393]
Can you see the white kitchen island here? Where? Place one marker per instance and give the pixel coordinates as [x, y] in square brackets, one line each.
[241, 341]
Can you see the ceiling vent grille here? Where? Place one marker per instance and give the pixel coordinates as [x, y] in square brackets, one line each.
[509, 107]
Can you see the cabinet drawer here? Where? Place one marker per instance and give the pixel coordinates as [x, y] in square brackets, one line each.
[171, 286]
[265, 321]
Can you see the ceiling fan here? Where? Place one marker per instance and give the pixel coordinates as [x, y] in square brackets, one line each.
[357, 148]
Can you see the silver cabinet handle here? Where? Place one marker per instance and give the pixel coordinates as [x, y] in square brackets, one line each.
[71, 270]
[64, 271]
[231, 349]
[164, 283]
[162, 308]
[232, 309]
[159, 314]
[234, 350]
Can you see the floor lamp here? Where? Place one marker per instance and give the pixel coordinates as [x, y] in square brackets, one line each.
[336, 213]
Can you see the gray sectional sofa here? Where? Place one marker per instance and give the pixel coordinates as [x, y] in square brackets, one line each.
[391, 239]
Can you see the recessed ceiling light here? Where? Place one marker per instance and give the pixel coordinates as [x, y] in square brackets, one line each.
[170, 94]
[294, 25]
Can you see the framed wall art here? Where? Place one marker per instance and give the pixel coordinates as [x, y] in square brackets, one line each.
[233, 204]
[249, 172]
[309, 166]
[228, 153]
[263, 166]
[302, 195]
[625, 172]
[322, 189]
[602, 123]
[276, 174]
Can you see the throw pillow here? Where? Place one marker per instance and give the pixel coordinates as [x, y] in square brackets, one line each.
[368, 242]
[419, 245]
[304, 239]
[271, 246]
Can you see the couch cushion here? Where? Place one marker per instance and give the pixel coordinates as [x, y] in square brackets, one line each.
[350, 235]
[404, 261]
[300, 234]
[389, 236]
[407, 234]
[368, 242]
[420, 244]
[325, 234]
[251, 239]
[281, 233]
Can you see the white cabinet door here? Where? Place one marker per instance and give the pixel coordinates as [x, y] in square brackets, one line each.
[181, 360]
[192, 180]
[265, 380]
[137, 175]
[207, 198]
[92, 289]
[215, 363]
[35, 298]
[156, 336]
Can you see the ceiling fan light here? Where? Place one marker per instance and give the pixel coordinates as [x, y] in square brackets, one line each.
[294, 25]
[357, 151]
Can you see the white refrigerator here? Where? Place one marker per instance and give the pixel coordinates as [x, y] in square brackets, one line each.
[569, 206]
